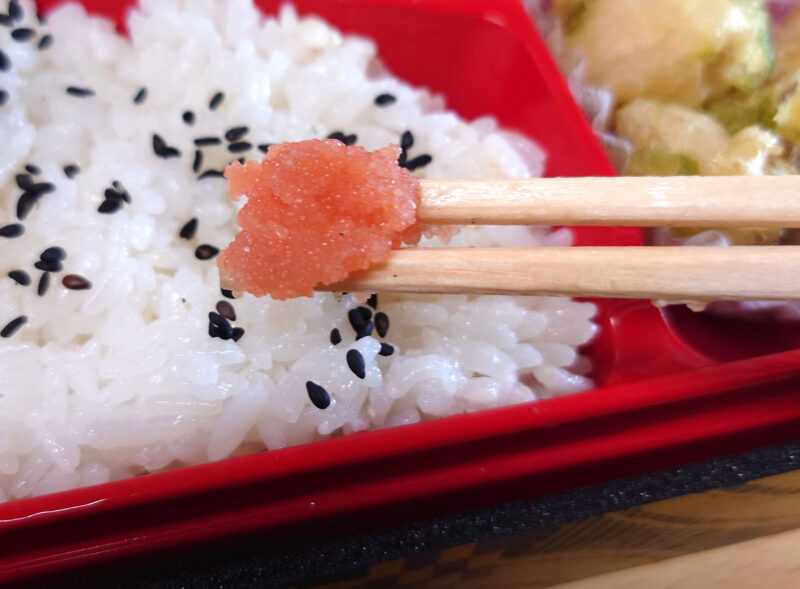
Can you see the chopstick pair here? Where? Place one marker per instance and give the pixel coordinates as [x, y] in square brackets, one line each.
[673, 274]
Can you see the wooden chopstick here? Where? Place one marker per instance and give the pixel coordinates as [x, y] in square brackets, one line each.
[689, 201]
[675, 274]
[662, 273]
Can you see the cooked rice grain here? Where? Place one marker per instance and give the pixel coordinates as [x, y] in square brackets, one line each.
[120, 379]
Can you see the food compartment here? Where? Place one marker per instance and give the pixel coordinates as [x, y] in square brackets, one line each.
[634, 420]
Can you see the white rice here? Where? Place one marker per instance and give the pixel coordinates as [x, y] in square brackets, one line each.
[123, 379]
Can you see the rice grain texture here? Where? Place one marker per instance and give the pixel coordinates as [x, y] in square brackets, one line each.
[122, 378]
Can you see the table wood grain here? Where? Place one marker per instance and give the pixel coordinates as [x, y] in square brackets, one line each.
[705, 536]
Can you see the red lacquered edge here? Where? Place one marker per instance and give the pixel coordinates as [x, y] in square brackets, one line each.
[364, 446]
[655, 414]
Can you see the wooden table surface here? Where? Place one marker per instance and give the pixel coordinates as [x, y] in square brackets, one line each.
[735, 537]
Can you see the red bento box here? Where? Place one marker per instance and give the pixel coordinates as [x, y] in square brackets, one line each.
[659, 401]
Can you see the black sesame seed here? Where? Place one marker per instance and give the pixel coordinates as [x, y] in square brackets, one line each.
[205, 252]
[366, 331]
[224, 330]
[14, 10]
[225, 309]
[240, 146]
[204, 141]
[22, 34]
[50, 259]
[264, 147]
[381, 323]
[41, 188]
[71, 170]
[76, 282]
[121, 192]
[372, 301]
[318, 395]
[188, 117]
[336, 337]
[236, 133]
[44, 284]
[20, 277]
[366, 313]
[6, 20]
[189, 228]
[227, 293]
[12, 230]
[406, 140]
[117, 194]
[53, 254]
[49, 266]
[346, 139]
[355, 361]
[216, 100]
[5, 62]
[45, 42]
[24, 181]
[338, 135]
[402, 159]
[31, 169]
[237, 334]
[385, 99]
[140, 96]
[111, 194]
[159, 145]
[216, 319]
[386, 350]
[213, 330]
[211, 174]
[79, 92]
[161, 148]
[25, 203]
[198, 161]
[418, 162]
[219, 320]
[356, 319]
[12, 326]
[3, 97]
[110, 205]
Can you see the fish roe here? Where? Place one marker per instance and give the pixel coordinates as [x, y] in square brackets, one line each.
[316, 211]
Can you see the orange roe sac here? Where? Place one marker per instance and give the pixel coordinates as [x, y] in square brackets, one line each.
[316, 211]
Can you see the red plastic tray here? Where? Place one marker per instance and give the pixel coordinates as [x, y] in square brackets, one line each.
[661, 402]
